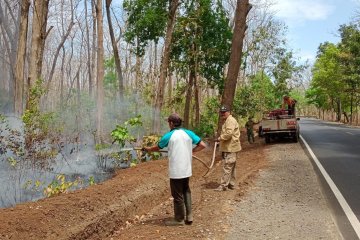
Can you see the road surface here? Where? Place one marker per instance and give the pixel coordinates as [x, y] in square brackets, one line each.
[335, 149]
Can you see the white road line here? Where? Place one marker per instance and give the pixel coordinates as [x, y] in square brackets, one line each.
[350, 133]
[345, 206]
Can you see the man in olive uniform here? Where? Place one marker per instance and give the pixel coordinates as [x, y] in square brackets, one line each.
[249, 125]
[229, 147]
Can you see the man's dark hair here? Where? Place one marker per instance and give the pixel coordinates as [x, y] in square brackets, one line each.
[175, 119]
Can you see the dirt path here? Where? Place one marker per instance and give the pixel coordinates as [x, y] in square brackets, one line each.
[210, 206]
[135, 204]
[132, 204]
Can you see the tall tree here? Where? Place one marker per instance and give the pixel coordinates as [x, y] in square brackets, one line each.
[88, 48]
[100, 71]
[9, 33]
[349, 59]
[146, 22]
[196, 54]
[242, 9]
[20, 57]
[39, 24]
[164, 64]
[327, 78]
[116, 51]
[61, 44]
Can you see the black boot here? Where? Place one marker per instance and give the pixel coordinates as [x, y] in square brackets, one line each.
[188, 207]
[179, 213]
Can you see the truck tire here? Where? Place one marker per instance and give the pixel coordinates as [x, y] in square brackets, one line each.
[267, 138]
[296, 137]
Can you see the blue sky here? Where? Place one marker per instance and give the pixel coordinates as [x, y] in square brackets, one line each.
[312, 22]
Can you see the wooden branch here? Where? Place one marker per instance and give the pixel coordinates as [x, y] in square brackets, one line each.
[61, 44]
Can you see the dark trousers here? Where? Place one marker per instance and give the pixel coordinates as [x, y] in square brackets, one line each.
[250, 135]
[291, 109]
[180, 191]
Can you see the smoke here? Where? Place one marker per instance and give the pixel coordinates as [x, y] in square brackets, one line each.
[72, 133]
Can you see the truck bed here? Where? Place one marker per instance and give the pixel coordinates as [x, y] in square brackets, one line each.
[283, 126]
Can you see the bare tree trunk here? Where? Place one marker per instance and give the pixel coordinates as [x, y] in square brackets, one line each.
[189, 97]
[197, 101]
[39, 24]
[116, 52]
[138, 81]
[61, 44]
[62, 79]
[88, 48]
[20, 58]
[78, 100]
[242, 9]
[100, 71]
[164, 64]
[351, 107]
[10, 46]
[339, 110]
[93, 56]
[170, 86]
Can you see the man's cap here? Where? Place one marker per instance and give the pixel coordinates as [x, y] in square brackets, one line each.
[175, 118]
[224, 108]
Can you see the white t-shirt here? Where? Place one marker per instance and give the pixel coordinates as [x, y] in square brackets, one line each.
[180, 142]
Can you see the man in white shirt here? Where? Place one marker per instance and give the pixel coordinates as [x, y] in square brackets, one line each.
[180, 143]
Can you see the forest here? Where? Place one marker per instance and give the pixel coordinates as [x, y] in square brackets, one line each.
[79, 74]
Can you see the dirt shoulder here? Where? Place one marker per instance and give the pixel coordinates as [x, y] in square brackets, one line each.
[285, 202]
[136, 202]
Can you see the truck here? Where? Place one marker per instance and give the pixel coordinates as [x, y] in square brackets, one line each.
[279, 124]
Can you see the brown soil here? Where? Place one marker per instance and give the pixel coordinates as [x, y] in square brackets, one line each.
[135, 203]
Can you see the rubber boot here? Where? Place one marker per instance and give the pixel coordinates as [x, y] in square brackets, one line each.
[179, 213]
[188, 207]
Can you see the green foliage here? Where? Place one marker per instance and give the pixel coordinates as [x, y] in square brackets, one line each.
[209, 118]
[41, 137]
[110, 80]
[92, 180]
[326, 85]
[101, 146]
[37, 141]
[121, 134]
[336, 73]
[194, 45]
[12, 161]
[33, 186]
[59, 186]
[146, 22]
[150, 141]
[34, 120]
[255, 97]
[285, 69]
[349, 59]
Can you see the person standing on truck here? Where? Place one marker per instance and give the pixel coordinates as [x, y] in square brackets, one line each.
[229, 147]
[290, 103]
[249, 125]
[180, 143]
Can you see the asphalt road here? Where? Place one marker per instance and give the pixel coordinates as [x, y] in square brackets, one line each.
[337, 149]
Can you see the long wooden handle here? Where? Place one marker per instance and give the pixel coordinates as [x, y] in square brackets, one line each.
[213, 156]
